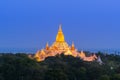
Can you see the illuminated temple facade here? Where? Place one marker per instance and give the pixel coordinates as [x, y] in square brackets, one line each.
[61, 46]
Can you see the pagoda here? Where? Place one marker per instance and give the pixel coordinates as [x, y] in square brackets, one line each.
[61, 46]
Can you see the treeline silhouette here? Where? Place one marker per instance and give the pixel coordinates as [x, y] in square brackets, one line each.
[20, 67]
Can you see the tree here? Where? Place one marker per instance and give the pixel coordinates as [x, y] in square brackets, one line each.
[55, 75]
[116, 77]
[104, 77]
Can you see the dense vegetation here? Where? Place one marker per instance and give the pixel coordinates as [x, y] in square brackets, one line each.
[20, 67]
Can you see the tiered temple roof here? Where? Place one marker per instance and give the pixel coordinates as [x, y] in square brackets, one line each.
[61, 46]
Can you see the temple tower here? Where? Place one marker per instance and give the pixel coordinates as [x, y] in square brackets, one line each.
[47, 46]
[73, 47]
[60, 44]
[60, 35]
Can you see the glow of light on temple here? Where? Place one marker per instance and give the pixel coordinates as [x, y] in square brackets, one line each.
[61, 46]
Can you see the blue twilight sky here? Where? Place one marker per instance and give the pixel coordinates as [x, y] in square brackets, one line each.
[31, 23]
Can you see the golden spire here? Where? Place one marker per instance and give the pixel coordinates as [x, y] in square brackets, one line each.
[60, 28]
[73, 46]
[60, 35]
[47, 46]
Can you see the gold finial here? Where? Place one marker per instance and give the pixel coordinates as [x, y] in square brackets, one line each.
[47, 46]
[60, 28]
[73, 44]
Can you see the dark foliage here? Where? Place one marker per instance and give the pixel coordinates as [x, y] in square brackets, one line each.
[20, 67]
